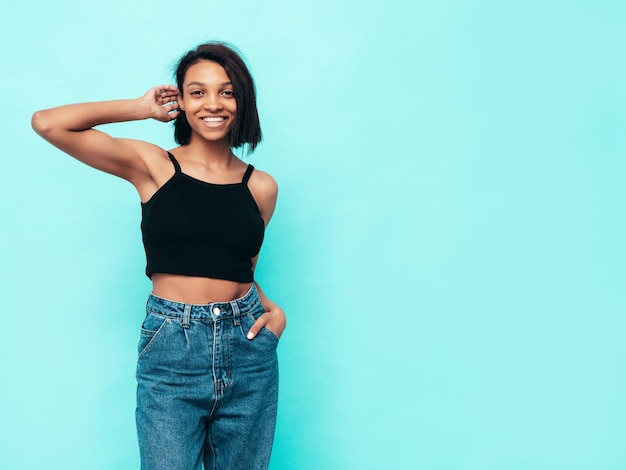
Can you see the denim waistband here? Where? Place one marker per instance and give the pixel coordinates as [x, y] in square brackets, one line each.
[212, 311]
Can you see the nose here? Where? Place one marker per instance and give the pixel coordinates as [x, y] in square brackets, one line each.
[213, 103]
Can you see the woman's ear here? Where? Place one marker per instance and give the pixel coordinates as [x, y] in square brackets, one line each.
[179, 98]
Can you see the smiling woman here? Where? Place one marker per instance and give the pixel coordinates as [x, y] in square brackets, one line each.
[230, 79]
[207, 367]
[208, 101]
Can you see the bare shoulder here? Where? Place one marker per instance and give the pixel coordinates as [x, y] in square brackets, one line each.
[263, 182]
[264, 189]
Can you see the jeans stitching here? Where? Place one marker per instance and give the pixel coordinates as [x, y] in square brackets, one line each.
[156, 334]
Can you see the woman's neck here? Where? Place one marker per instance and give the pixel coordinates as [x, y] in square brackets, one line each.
[217, 154]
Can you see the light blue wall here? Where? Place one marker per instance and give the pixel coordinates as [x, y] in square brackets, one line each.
[449, 240]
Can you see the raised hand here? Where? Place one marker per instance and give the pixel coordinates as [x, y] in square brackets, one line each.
[162, 102]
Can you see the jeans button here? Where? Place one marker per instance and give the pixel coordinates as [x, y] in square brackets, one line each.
[216, 311]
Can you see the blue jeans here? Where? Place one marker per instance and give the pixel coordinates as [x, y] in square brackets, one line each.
[205, 393]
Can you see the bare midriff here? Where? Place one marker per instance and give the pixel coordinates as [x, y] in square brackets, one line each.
[197, 290]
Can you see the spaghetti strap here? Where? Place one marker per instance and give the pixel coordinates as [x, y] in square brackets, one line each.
[246, 176]
[175, 163]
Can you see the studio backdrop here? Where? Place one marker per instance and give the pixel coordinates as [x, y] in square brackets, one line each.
[448, 242]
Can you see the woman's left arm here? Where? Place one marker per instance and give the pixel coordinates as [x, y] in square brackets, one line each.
[265, 192]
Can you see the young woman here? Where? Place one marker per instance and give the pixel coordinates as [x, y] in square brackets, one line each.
[207, 371]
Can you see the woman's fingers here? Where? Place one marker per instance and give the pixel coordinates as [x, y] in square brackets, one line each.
[273, 321]
[171, 106]
[164, 99]
[161, 94]
[256, 327]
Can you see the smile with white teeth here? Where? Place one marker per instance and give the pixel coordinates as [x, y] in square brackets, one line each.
[213, 121]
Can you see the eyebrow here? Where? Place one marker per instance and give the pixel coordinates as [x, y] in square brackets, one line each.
[204, 84]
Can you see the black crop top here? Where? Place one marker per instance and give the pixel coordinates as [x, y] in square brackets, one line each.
[196, 228]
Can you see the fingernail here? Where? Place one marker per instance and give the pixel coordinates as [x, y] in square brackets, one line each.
[250, 335]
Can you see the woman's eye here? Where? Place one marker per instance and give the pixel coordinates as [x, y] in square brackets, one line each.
[228, 92]
[196, 93]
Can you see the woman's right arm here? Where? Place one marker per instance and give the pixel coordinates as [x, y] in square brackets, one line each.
[70, 128]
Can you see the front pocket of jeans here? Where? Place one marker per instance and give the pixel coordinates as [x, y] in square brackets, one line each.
[247, 322]
[270, 333]
[151, 329]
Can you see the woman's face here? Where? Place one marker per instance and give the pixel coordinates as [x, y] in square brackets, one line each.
[208, 101]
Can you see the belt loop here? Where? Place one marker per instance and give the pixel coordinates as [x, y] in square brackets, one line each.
[236, 314]
[186, 315]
